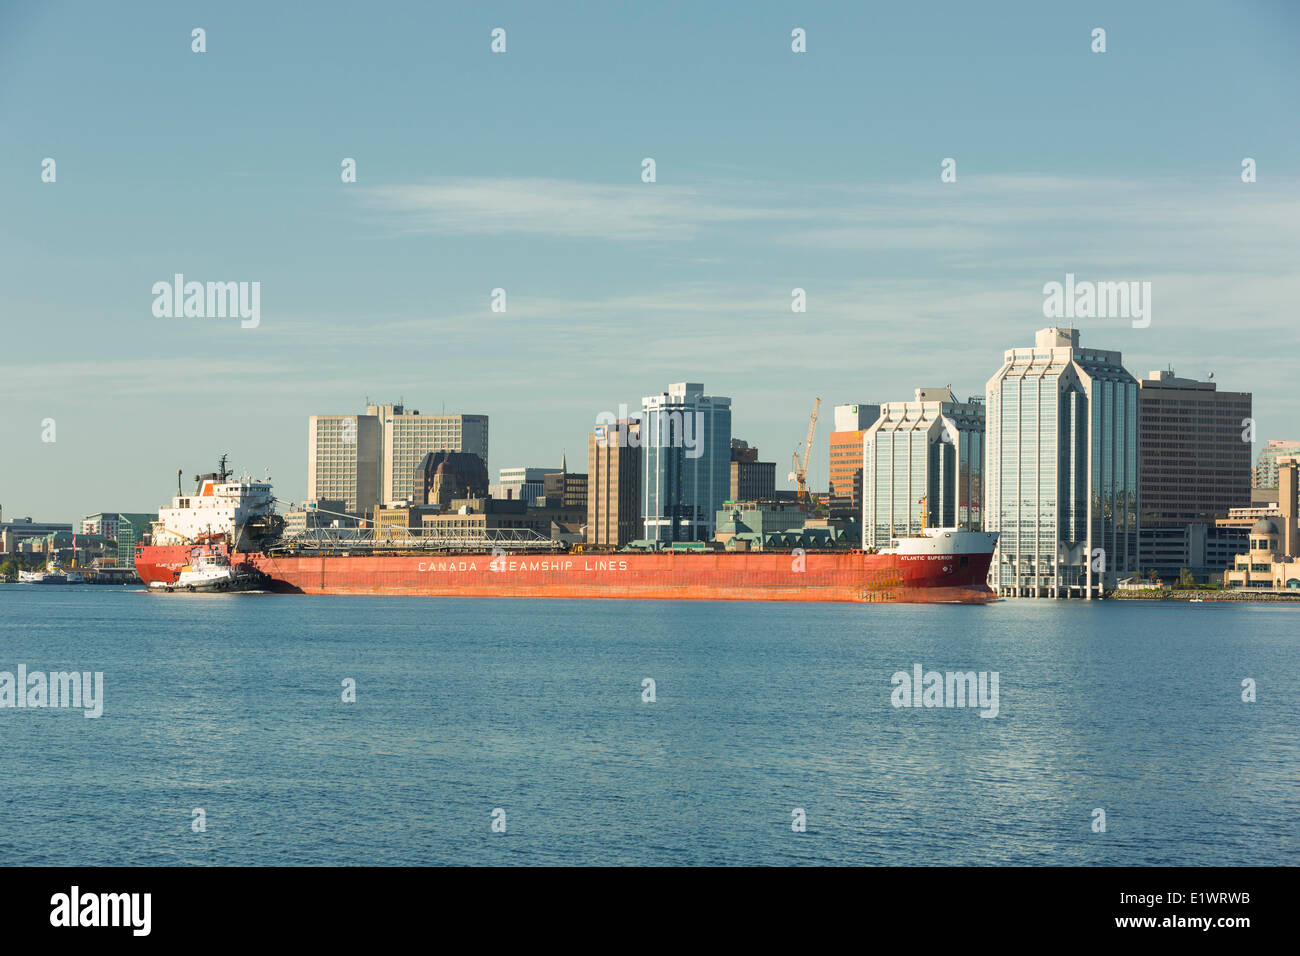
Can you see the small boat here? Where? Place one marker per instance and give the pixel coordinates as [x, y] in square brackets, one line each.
[211, 572]
[41, 577]
[53, 574]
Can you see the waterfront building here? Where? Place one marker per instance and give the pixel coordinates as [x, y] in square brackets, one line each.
[614, 483]
[103, 523]
[343, 460]
[923, 455]
[477, 522]
[14, 533]
[314, 515]
[757, 520]
[1062, 468]
[686, 462]
[1194, 460]
[132, 528]
[482, 522]
[750, 479]
[1193, 467]
[1273, 561]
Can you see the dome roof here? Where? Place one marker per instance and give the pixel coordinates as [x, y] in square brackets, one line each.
[1264, 526]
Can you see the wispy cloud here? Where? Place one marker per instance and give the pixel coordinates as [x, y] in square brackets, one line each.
[1002, 221]
[560, 208]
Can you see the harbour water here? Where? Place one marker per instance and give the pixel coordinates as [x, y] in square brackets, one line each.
[233, 704]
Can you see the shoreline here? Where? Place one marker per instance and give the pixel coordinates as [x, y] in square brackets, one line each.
[1235, 596]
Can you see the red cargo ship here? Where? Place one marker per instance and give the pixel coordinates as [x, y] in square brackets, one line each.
[939, 565]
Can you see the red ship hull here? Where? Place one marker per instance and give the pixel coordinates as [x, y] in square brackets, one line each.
[710, 576]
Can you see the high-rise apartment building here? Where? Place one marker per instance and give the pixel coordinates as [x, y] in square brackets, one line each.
[851, 423]
[1062, 468]
[614, 484]
[343, 460]
[1266, 473]
[923, 456]
[686, 462]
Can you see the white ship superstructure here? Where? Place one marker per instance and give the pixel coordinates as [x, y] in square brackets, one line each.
[238, 511]
[944, 541]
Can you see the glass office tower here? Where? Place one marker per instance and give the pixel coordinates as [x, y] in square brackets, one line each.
[1062, 432]
[686, 462]
[931, 448]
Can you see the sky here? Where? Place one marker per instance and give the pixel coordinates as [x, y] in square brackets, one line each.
[522, 171]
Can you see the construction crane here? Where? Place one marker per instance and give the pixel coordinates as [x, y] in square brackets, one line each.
[800, 474]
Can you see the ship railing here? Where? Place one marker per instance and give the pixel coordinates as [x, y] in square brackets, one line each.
[353, 540]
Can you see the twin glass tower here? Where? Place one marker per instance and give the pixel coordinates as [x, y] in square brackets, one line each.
[1048, 458]
[1062, 468]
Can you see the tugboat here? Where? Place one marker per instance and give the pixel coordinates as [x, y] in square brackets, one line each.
[211, 571]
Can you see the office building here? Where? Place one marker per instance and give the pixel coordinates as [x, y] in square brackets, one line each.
[565, 489]
[686, 462]
[750, 479]
[614, 484]
[923, 457]
[1193, 461]
[407, 436]
[521, 483]
[1193, 468]
[132, 528]
[851, 423]
[1062, 469]
[343, 460]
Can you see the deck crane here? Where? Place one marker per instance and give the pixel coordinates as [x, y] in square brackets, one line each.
[800, 474]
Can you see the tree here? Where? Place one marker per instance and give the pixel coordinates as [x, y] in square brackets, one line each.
[1186, 579]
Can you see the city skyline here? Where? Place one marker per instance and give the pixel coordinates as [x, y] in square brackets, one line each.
[820, 461]
[817, 171]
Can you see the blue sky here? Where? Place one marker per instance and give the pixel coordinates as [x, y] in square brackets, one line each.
[522, 170]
